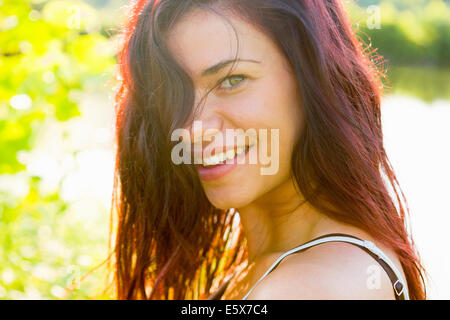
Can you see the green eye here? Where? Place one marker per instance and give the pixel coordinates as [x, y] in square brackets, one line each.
[232, 81]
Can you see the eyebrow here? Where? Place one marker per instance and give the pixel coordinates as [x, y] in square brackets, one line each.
[219, 66]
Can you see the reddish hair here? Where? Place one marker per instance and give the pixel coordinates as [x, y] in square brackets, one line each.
[171, 243]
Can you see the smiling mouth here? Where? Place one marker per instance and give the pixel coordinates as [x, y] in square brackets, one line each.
[222, 157]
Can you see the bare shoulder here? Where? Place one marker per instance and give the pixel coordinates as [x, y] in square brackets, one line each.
[334, 270]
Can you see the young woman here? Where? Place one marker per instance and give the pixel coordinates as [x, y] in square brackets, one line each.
[328, 223]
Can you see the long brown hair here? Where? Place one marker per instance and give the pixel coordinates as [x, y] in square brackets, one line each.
[170, 242]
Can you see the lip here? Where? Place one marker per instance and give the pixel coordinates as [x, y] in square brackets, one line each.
[219, 171]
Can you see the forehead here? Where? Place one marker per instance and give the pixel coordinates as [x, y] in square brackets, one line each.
[202, 38]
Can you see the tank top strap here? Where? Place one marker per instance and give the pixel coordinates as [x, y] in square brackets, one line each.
[394, 274]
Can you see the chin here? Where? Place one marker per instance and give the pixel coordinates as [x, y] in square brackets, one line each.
[227, 200]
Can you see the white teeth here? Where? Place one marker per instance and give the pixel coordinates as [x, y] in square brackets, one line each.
[223, 156]
[230, 154]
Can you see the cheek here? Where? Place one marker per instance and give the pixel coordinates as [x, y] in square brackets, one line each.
[284, 102]
[272, 103]
[268, 103]
[281, 108]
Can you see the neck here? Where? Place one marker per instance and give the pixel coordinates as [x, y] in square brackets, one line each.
[278, 221]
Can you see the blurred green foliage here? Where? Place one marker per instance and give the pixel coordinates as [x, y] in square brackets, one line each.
[426, 83]
[412, 31]
[49, 50]
[414, 38]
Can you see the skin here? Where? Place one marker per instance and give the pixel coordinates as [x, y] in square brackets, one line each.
[271, 210]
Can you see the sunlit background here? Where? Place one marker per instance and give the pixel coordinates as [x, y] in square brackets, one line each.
[57, 61]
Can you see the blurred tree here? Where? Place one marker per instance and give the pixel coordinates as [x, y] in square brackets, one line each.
[49, 51]
[414, 38]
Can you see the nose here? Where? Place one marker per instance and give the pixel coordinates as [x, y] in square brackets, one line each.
[204, 129]
[207, 124]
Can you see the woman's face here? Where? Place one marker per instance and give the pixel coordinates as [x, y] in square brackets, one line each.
[261, 93]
